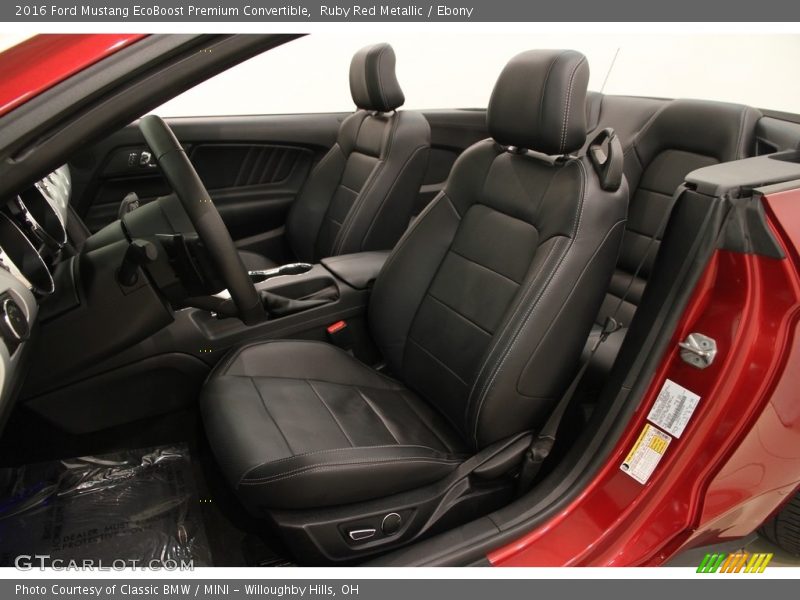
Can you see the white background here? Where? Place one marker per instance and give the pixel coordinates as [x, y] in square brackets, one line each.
[452, 70]
[458, 70]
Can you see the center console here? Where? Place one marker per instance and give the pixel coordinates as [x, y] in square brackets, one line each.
[164, 372]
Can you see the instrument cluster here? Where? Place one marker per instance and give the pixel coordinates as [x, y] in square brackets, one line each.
[33, 231]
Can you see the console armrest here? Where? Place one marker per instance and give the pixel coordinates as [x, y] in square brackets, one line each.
[356, 270]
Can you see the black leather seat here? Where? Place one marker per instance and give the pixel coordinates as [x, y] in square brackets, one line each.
[360, 196]
[303, 424]
[480, 312]
[682, 136]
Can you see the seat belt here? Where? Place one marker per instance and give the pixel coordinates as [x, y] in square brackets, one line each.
[543, 443]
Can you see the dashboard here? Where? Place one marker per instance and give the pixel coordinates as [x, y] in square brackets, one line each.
[32, 239]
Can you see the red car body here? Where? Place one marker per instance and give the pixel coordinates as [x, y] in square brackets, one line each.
[739, 458]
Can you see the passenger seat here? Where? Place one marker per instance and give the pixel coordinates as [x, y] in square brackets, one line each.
[682, 136]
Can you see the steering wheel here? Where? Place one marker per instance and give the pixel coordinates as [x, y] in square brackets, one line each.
[189, 189]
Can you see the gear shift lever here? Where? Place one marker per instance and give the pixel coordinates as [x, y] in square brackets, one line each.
[290, 269]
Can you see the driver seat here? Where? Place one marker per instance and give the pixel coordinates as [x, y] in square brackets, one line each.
[361, 194]
[481, 312]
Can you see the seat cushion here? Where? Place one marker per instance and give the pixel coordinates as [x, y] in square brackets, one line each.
[256, 262]
[302, 424]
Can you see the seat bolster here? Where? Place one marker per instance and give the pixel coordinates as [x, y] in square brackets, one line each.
[301, 359]
[342, 476]
[559, 299]
[302, 424]
[238, 428]
[383, 208]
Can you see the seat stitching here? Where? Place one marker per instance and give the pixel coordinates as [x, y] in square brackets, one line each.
[368, 186]
[410, 405]
[358, 203]
[475, 262]
[369, 183]
[544, 88]
[576, 227]
[345, 155]
[388, 380]
[328, 408]
[384, 103]
[740, 152]
[331, 450]
[391, 189]
[572, 291]
[314, 171]
[322, 467]
[518, 306]
[269, 414]
[440, 197]
[372, 407]
[317, 379]
[569, 105]
[459, 314]
[443, 196]
[517, 328]
[438, 360]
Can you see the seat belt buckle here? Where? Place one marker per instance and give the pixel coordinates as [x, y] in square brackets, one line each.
[340, 335]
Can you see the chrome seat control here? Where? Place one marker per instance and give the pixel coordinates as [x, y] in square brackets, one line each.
[359, 535]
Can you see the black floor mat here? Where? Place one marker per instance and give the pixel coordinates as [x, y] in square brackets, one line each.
[128, 506]
[237, 539]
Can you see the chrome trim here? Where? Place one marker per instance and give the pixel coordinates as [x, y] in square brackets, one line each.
[24, 246]
[20, 336]
[698, 350]
[358, 535]
[54, 190]
[399, 524]
[40, 232]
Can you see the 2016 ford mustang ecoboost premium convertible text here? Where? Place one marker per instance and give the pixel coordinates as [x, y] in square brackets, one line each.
[557, 330]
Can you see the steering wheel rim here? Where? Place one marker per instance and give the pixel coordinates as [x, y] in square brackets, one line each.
[184, 181]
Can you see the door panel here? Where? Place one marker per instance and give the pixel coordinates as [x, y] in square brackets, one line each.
[254, 167]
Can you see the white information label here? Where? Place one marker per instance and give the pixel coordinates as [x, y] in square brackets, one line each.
[646, 453]
[673, 408]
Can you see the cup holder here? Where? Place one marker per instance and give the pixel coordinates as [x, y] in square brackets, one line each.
[290, 269]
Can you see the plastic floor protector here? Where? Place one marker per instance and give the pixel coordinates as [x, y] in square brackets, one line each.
[136, 507]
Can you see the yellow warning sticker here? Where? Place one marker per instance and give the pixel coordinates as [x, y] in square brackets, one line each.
[646, 453]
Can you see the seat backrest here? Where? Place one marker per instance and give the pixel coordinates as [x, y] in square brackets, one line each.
[485, 303]
[682, 136]
[361, 194]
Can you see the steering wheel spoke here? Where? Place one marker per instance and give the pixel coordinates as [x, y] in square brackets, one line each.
[196, 201]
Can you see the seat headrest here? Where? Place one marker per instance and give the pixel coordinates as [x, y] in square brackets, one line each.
[538, 102]
[717, 129]
[373, 82]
